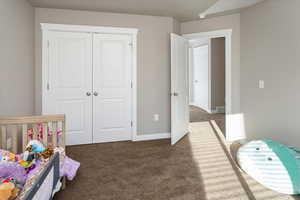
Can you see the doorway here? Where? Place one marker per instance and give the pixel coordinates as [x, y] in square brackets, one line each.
[207, 80]
[213, 101]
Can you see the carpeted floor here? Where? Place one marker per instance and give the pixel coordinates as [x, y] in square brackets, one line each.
[199, 115]
[199, 167]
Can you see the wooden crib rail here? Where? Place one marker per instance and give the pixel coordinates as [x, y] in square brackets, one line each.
[11, 125]
[31, 119]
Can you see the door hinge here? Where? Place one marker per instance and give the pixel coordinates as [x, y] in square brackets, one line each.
[130, 44]
[48, 86]
[48, 43]
[131, 84]
[131, 123]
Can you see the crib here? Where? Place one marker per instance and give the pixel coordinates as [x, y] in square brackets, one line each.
[14, 131]
[14, 137]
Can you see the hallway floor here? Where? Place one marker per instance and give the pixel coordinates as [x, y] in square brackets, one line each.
[199, 115]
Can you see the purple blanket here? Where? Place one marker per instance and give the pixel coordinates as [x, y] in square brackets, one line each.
[12, 169]
[69, 168]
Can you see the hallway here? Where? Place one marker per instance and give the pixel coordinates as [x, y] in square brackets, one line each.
[199, 115]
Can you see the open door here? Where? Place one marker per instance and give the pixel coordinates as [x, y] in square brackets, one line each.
[179, 88]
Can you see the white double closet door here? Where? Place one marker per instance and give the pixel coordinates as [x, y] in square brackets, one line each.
[89, 80]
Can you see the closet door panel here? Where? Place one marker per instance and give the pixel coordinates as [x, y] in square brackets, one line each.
[112, 88]
[70, 78]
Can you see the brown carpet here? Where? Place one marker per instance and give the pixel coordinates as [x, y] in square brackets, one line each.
[197, 168]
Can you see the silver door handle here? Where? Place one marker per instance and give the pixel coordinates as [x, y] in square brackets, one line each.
[88, 94]
[175, 94]
[95, 93]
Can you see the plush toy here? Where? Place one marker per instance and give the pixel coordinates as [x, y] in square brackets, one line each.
[8, 191]
[9, 157]
[35, 149]
[28, 165]
[47, 153]
[7, 180]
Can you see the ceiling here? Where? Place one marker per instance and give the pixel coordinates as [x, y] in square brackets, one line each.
[182, 10]
[223, 6]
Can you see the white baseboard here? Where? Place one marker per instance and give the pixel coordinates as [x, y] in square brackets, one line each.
[153, 136]
[219, 109]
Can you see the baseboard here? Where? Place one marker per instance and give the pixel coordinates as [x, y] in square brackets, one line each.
[219, 109]
[157, 136]
[214, 111]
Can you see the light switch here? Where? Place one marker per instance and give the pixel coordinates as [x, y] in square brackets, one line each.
[156, 117]
[261, 84]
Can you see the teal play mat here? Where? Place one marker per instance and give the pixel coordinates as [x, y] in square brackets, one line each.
[272, 164]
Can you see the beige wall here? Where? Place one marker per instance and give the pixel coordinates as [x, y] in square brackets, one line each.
[218, 23]
[217, 46]
[16, 58]
[176, 27]
[153, 74]
[269, 51]
[270, 48]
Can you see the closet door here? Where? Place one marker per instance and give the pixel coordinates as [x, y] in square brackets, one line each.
[111, 88]
[69, 83]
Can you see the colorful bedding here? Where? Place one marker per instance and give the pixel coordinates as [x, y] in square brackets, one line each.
[26, 179]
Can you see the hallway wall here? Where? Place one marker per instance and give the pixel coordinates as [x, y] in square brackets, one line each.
[217, 72]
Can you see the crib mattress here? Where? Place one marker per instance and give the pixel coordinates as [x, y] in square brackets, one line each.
[272, 164]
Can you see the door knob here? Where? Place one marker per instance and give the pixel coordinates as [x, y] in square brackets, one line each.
[95, 93]
[88, 94]
[175, 94]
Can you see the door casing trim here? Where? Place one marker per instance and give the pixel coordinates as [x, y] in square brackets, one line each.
[227, 33]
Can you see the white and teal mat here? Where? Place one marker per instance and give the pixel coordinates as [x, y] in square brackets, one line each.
[272, 164]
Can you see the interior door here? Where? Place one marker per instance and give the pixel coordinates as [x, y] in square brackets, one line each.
[69, 83]
[201, 77]
[112, 102]
[179, 88]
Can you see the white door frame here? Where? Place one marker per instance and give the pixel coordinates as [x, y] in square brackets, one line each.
[46, 28]
[227, 33]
